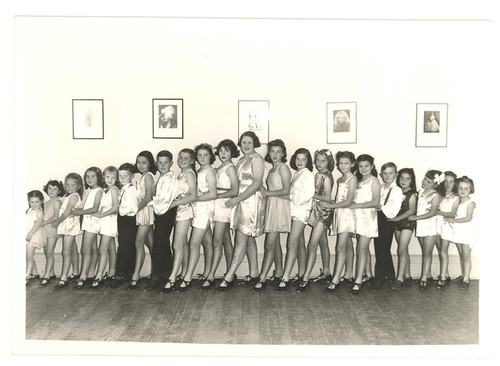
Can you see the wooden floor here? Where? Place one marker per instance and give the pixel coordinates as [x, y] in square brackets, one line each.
[240, 316]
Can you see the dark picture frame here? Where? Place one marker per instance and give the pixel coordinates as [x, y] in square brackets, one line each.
[168, 118]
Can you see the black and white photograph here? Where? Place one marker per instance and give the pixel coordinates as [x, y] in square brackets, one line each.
[220, 216]
[168, 118]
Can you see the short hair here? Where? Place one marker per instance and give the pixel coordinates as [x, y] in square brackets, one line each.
[466, 179]
[253, 136]
[112, 169]
[99, 176]
[147, 154]
[346, 154]
[304, 151]
[193, 157]
[79, 180]
[131, 168]
[54, 183]
[165, 153]
[442, 190]
[369, 159]
[275, 143]
[230, 145]
[411, 173]
[208, 148]
[389, 165]
[329, 158]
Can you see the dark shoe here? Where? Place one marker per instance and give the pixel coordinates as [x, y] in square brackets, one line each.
[200, 278]
[187, 284]
[152, 284]
[458, 280]
[332, 287]
[422, 286]
[328, 278]
[356, 289]
[397, 286]
[169, 287]
[304, 285]
[367, 280]
[224, 285]
[73, 277]
[248, 281]
[297, 278]
[407, 281]
[283, 285]
[113, 282]
[464, 286]
[79, 285]
[320, 277]
[44, 282]
[207, 285]
[440, 283]
[62, 284]
[133, 285]
[259, 286]
[377, 285]
[430, 280]
[347, 281]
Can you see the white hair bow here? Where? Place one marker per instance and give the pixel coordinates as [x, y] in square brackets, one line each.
[438, 178]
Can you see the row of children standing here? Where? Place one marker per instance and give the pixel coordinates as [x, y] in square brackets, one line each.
[212, 202]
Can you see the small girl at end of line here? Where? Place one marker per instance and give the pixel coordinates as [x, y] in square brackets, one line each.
[320, 219]
[365, 203]
[68, 225]
[35, 238]
[94, 182]
[54, 190]
[108, 226]
[403, 228]
[447, 189]
[426, 233]
[463, 228]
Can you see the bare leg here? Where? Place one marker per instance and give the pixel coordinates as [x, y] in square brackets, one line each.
[179, 244]
[362, 254]
[427, 245]
[228, 247]
[278, 258]
[349, 257]
[219, 235]
[325, 253]
[142, 233]
[343, 241]
[312, 249]
[208, 252]
[267, 261]
[75, 259]
[68, 243]
[252, 255]
[112, 258]
[197, 236]
[292, 245]
[49, 256]
[87, 242]
[103, 256]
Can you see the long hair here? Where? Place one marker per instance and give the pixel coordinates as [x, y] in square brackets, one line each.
[304, 151]
[370, 160]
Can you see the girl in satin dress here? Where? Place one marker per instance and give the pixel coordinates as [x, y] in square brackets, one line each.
[301, 197]
[278, 217]
[184, 216]
[250, 209]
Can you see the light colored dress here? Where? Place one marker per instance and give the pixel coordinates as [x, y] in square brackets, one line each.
[301, 195]
[146, 216]
[366, 221]
[278, 217]
[464, 232]
[38, 238]
[184, 212]
[91, 223]
[426, 227]
[71, 224]
[204, 211]
[108, 224]
[343, 218]
[222, 213]
[321, 214]
[445, 228]
[48, 213]
[249, 214]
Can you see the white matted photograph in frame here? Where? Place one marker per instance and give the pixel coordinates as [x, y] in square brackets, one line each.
[168, 119]
[88, 119]
[432, 125]
[341, 123]
[253, 115]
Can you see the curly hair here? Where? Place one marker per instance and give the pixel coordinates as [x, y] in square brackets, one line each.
[348, 155]
[276, 143]
[304, 151]
[253, 136]
[54, 183]
[229, 145]
[411, 173]
[208, 148]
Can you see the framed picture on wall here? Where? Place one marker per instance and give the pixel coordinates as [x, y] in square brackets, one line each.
[432, 125]
[88, 119]
[341, 123]
[253, 115]
[168, 119]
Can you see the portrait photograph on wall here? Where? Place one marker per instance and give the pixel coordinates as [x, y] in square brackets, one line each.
[88, 119]
[253, 115]
[168, 119]
[431, 125]
[341, 123]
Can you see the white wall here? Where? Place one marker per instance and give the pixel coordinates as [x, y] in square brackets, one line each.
[298, 65]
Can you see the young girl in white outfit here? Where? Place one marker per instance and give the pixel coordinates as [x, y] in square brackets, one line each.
[35, 238]
[366, 201]
[227, 188]
[427, 208]
[343, 225]
[145, 216]
[463, 228]
[68, 225]
[94, 182]
[448, 206]
[301, 196]
[203, 217]
[108, 226]
[54, 190]
[184, 215]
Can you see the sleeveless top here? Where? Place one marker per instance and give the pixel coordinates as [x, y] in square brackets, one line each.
[426, 227]
[184, 212]
[48, 213]
[366, 218]
[405, 224]
[321, 214]
[278, 218]
[343, 218]
[71, 224]
[222, 213]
